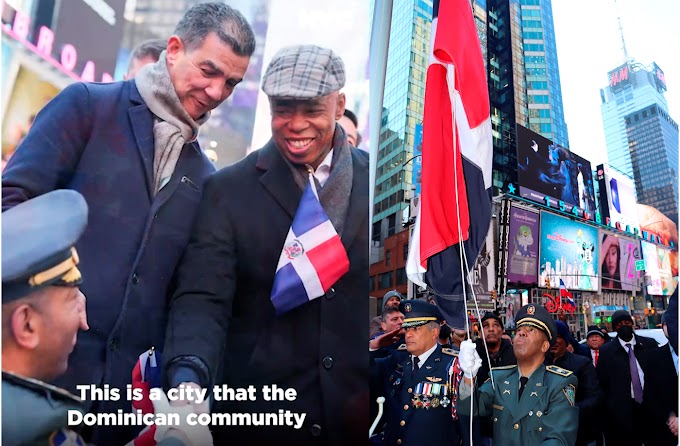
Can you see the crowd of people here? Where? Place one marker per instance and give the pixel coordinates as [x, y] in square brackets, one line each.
[625, 388]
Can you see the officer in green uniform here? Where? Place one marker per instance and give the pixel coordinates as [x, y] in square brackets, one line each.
[413, 381]
[531, 404]
[42, 311]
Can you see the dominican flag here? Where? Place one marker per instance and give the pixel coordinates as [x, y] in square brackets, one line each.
[313, 256]
[566, 294]
[146, 375]
[455, 206]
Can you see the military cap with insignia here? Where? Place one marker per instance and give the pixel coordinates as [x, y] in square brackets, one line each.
[418, 312]
[38, 238]
[303, 72]
[538, 317]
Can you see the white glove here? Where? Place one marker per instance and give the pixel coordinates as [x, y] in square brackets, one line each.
[196, 435]
[469, 359]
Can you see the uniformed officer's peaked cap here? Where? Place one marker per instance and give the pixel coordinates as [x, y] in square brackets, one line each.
[418, 312]
[37, 243]
[303, 72]
[538, 317]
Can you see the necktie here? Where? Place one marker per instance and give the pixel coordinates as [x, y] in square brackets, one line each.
[416, 360]
[634, 375]
[523, 380]
[597, 356]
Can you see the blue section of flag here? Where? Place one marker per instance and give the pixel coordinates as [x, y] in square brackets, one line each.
[309, 214]
[288, 291]
[152, 371]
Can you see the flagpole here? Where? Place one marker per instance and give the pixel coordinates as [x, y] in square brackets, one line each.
[380, 39]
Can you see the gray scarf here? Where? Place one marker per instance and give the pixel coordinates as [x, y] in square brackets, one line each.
[334, 195]
[173, 127]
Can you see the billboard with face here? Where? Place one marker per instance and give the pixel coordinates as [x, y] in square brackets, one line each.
[548, 170]
[617, 265]
[618, 203]
[523, 246]
[483, 273]
[568, 251]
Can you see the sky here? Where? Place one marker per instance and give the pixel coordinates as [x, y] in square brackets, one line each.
[589, 46]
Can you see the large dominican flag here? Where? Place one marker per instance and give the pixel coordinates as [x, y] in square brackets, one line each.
[455, 206]
[313, 256]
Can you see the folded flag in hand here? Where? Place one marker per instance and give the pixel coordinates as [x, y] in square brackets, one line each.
[146, 375]
[313, 256]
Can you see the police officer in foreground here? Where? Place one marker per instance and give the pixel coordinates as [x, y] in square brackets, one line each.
[42, 311]
[531, 403]
[414, 382]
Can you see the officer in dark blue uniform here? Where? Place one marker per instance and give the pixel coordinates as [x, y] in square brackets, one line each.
[42, 311]
[414, 382]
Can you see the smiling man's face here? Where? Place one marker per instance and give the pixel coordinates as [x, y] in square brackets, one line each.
[303, 129]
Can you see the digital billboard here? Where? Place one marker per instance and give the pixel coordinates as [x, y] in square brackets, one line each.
[482, 275]
[619, 77]
[568, 251]
[658, 276]
[553, 175]
[617, 196]
[617, 264]
[523, 246]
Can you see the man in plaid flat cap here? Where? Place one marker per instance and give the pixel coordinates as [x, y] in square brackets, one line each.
[226, 280]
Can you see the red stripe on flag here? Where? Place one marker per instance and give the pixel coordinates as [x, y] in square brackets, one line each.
[330, 261]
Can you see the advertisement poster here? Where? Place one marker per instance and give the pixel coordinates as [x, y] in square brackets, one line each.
[652, 275]
[523, 246]
[568, 251]
[546, 169]
[620, 199]
[483, 273]
[658, 274]
[630, 253]
[617, 264]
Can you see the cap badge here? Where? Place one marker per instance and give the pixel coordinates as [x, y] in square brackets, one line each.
[531, 310]
[407, 307]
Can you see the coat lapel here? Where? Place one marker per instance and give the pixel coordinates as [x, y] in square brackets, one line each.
[358, 207]
[277, 178]
[141, 121]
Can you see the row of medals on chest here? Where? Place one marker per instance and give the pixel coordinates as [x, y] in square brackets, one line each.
[430, 395]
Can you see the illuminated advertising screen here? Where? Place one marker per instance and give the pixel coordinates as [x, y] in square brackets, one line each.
[553, 175]
[523, 246]
[617, 262]
[568, 251]
[658, 275]
[617, 194]
[483, 273]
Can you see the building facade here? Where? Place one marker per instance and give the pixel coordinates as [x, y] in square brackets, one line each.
[653, 141]
[631, 87]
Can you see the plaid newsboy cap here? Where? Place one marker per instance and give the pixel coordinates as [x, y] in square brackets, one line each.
[303, 72]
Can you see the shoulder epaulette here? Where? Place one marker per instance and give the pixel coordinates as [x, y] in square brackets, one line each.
[402, 347]
[558, 370]
[39, 386]
[449, 351]
[505, 367]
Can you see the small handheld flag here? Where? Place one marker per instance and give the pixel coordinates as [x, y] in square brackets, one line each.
[565, 293]
[146, 375]
[313, 257]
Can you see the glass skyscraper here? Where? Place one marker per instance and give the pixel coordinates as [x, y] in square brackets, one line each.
[632, 87]
[653, 140]
[524, 79]
[403, 99]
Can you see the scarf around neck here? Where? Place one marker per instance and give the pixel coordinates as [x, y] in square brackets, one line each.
[173, 127]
